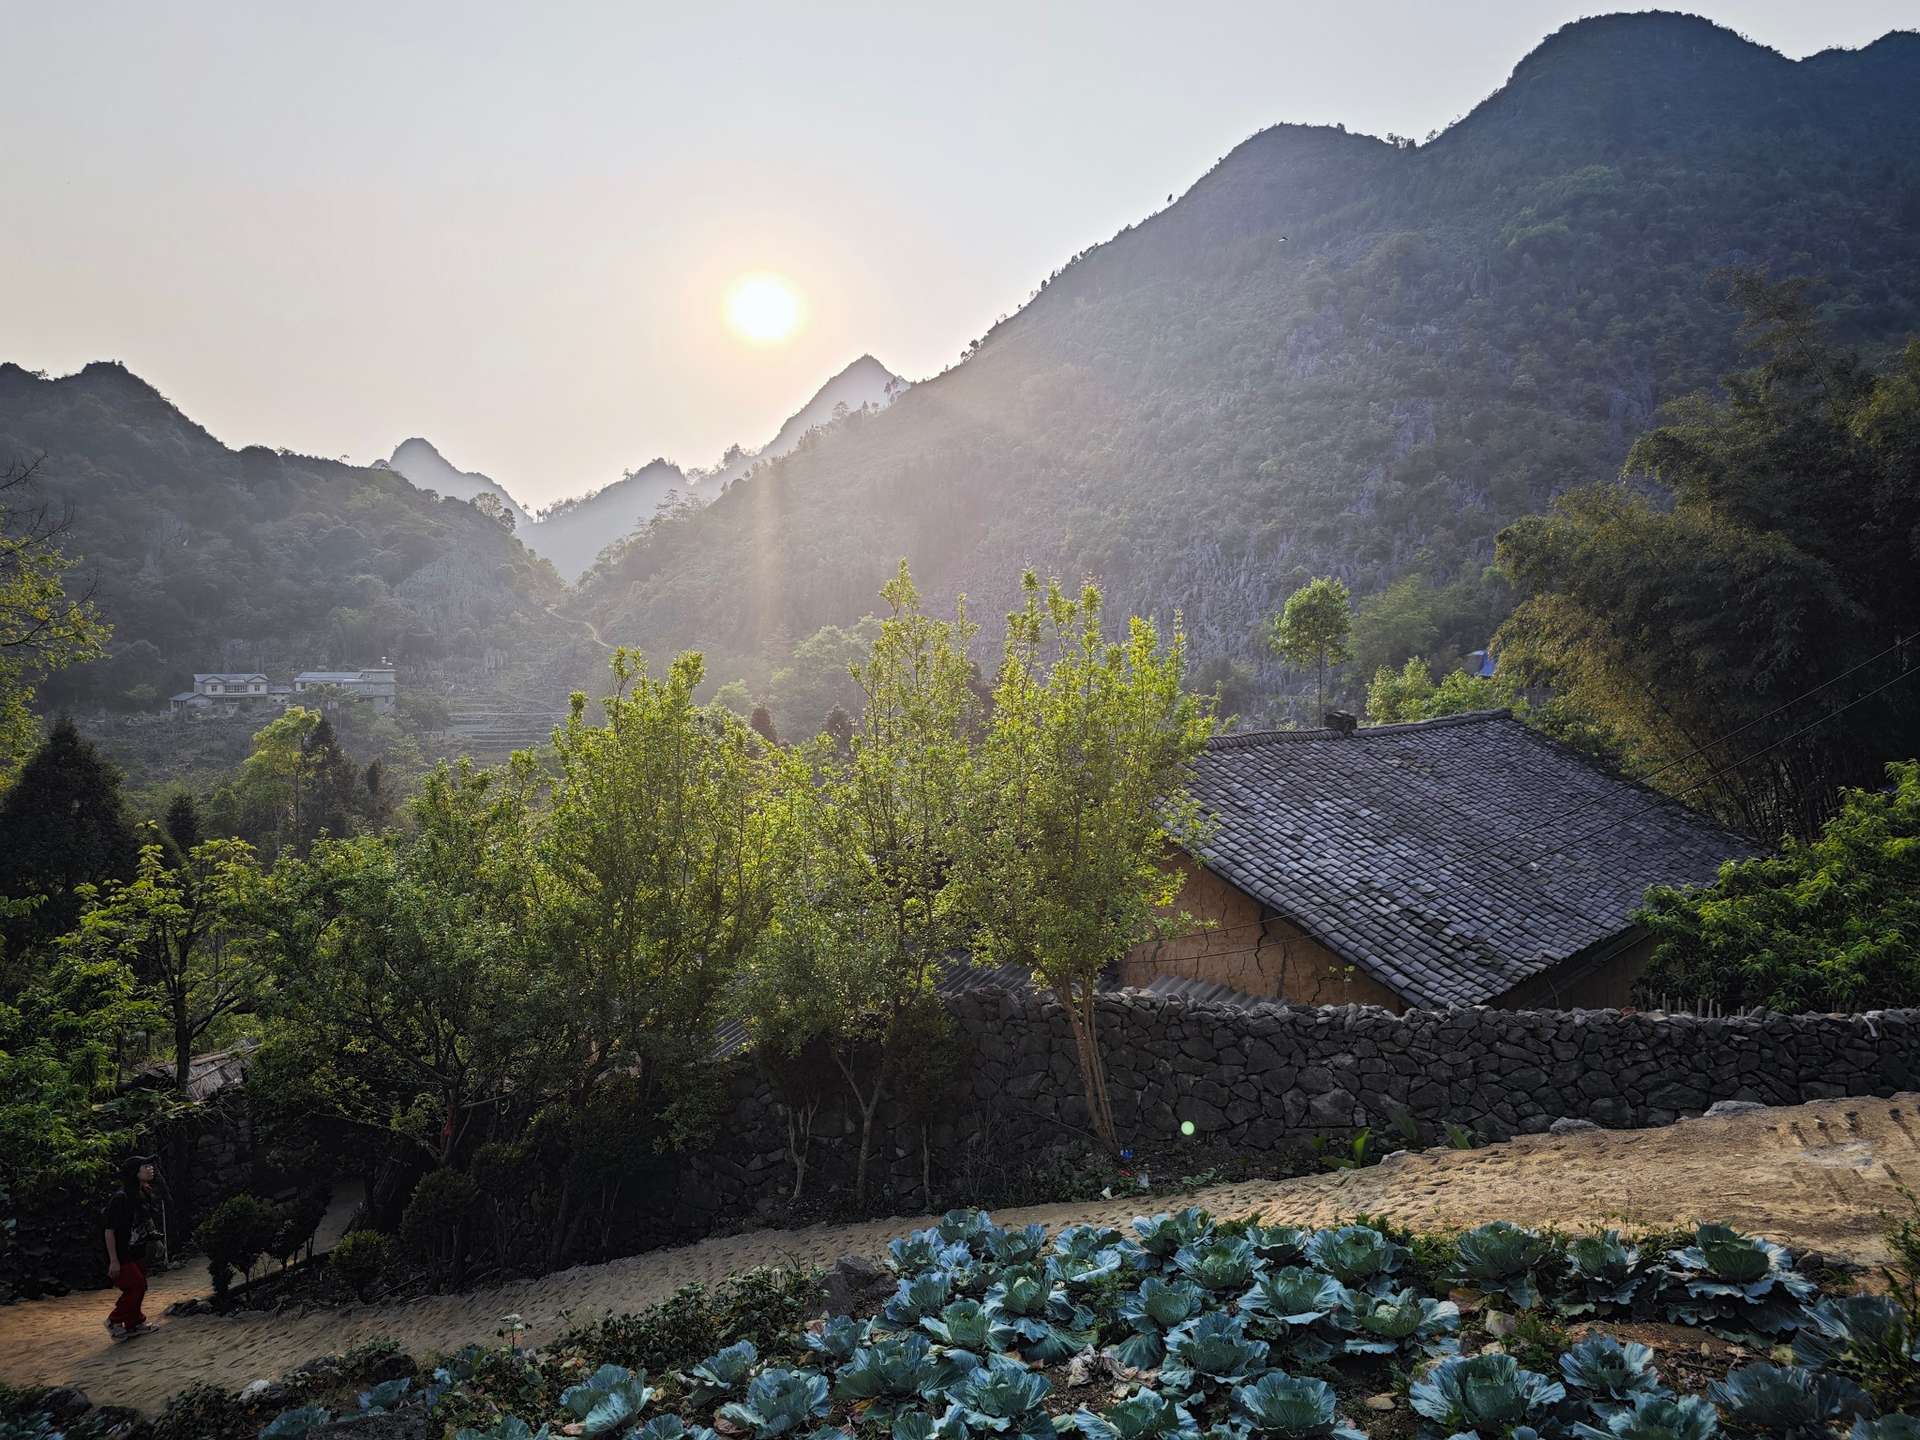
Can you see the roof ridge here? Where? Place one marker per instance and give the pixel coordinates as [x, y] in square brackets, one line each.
[1249, 738]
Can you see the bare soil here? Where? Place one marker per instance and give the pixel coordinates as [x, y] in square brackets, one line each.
[1815, 1177]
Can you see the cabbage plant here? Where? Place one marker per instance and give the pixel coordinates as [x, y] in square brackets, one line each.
[1079, 1273]
[607, 1402]
[1654, 1417]
[1086, 1240]
[1867, 1338]
[1017, 1247]
[1220, 1265]
[961, 1325]
[925, 1250]
[1356, 1255]
[1402, 1320]
[1145, 1415]
[1729, 1281]
[889, 1375]
[965, 1227]
[917, 1297]
[838, 1338]
[1887, 1427]
[722, 1373]
[1163, 1235]
[294, 1424]
[1279, 1244]
[1487, 1395]
[779, 1402]
[1004, 1397]
[385, 1395]
[950, 1424]
[1154, 1309]
[1026, 1312]
[1212, 1349]
[1292, 1407]
[1501, 1259]
[1788, 1401]
[672, 1427]
[1604, 1275]
[1609, 1375]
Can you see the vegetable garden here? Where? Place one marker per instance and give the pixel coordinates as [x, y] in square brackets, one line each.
[1183, 1330]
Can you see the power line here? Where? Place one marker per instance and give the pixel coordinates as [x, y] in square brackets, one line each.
[1746, 760]
[1780, 709]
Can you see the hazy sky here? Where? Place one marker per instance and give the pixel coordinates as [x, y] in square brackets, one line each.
[512, 228]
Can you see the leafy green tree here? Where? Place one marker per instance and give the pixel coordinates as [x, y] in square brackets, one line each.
[59, 1037]
[1080, 786]
[182, 822]
[1314, 629]
[186, 931]
[42, 627]
[1410, 694]
[861, 935]
[297, 784]
[1827, 924]
[1793, 495]
[657, 851]
[421, 949]
[819, 676]
[63, 824]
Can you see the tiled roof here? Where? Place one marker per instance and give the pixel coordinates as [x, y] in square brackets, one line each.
[226, 675]
[1420, 852]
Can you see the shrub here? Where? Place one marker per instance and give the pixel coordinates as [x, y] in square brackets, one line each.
[432, 1223]
[360, 1259]
[235, 1236]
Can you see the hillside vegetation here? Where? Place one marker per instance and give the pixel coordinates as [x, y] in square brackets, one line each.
[1335, 354]
[206, 558]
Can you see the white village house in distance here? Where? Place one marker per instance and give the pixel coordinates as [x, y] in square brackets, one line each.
[228, 693]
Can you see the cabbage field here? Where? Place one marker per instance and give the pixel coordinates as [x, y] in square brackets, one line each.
[1184, 1329]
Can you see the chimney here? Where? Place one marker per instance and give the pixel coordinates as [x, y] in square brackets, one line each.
[1342, 722]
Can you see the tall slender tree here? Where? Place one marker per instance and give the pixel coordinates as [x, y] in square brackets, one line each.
[1314, 629]
[1079, 788]
[63, 824]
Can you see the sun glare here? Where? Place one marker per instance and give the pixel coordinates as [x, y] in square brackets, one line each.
[764, 309]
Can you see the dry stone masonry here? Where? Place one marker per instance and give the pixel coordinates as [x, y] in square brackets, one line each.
[1258, 1078]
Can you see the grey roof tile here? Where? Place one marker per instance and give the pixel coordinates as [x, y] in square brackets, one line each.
[1421, 853]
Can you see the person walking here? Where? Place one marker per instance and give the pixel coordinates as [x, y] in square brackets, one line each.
[131, 1221]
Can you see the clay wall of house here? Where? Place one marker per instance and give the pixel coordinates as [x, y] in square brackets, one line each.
[1250, 948]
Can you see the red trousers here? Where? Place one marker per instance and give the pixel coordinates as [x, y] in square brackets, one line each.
[132, 1281]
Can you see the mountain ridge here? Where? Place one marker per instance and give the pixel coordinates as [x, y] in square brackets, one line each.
[1335, 354]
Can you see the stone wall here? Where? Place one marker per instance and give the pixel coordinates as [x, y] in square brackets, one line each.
[1263, 1078]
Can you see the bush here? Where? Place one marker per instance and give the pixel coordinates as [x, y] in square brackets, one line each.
[206, 1412]
[235, 1236]
[435, 1217]
[360, 1259]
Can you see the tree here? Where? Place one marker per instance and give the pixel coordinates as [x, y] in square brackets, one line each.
[1313, 629]
[657, 851]
[496, 510]
[421, 946]
[62, 825]
[296, 785]
[1410, 694]
[42, 628]
[1828, 924]
[182, 822]
[761, 723]
[1081, 787]
[185, 931]
[1784, 553]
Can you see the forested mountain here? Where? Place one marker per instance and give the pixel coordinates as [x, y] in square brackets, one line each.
[428, 469]
[572, 532]
[865, 384]
[206, 558]
[1336, 354]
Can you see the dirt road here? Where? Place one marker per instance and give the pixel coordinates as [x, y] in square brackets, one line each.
[1813, 1176]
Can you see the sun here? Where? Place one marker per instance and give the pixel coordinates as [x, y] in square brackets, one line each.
[764, 309]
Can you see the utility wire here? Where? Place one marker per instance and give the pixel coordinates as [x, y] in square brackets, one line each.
[1745, 760]
[1780, 709]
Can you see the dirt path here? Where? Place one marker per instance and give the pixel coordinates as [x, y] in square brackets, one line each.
[1814, 1176]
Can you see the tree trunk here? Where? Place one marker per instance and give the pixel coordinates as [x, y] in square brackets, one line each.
[800, 1142]
[868, 1104]
[1093, 1074]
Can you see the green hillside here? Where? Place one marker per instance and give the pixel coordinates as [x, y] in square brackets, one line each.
[1337, 354]
[206, 558]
